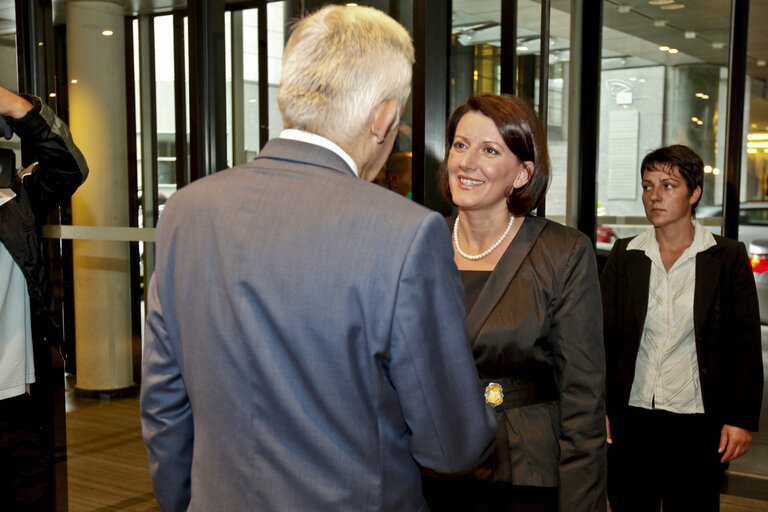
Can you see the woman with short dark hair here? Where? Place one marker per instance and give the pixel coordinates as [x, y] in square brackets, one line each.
[682, 344]
[533, 319]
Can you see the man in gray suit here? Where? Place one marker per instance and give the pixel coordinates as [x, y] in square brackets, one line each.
[305, 346]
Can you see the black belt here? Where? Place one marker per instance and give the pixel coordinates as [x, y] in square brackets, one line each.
[525, 390]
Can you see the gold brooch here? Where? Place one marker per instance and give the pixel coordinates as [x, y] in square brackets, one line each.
[494, 394]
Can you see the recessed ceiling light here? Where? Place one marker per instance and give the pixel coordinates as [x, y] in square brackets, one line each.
[52, 94]
[663, 48]
[673, 7]
[673, 50]
[761, 63]
[707, 168]
[715, 171]
[718, 46]
[522, 48]
[660, 23]
[690, 34]
[624, 9]
[107, 33]
[661, 2]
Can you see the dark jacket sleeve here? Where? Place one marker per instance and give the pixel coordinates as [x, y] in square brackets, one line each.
[744, 350]
[580, 368]
[60, 166]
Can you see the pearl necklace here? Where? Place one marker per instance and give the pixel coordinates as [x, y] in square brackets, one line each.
[487, 251]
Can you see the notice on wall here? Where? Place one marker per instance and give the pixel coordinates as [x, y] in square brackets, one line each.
[623, 135]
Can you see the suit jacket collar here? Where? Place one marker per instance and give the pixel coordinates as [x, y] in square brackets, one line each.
[502, 275]
[303, 153]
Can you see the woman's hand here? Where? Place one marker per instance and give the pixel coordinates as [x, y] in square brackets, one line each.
[734, 442]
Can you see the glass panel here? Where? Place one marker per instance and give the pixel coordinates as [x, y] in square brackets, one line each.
[251, 81]
[664, 81]
[475, 69]
[165, 109]
[275, 42]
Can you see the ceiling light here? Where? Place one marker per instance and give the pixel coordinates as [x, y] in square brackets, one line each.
[673, 7]
[761, 63]
[52, 94]
[715, 171]
[660, 23]
[663, 48]
[625, 9]
[707, 169]
[661, 2]
[689, 34]
[752, 151]
[73, 81]
[718, 46]
[632, 78]
[695, 119]
[673, 50]
[642, 80]
[107, 33]
[522, 48]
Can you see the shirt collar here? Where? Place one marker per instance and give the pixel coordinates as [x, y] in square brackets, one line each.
[646, 241]
[319, 140]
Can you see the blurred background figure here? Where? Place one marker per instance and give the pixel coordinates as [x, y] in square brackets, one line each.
[398, 171]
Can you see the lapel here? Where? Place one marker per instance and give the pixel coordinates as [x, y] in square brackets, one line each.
[707, 281]
[299, 153]
[502, 275]
[638, 280]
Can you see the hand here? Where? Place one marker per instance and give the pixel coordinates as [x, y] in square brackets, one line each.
[734, 442]
[12, 105]
[608, 430]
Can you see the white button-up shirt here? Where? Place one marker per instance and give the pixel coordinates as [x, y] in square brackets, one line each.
[667, 369]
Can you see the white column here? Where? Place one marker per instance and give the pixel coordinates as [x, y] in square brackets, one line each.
[97, 113]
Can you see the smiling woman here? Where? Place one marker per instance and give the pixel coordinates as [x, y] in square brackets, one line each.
[532, 300]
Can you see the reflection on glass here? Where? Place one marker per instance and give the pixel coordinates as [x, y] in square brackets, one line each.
[664, 81]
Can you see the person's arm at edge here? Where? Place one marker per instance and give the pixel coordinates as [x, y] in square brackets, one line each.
[61, 166]
[577, 340]
[432, 365]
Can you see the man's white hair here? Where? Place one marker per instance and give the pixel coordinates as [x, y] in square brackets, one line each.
[338, 65]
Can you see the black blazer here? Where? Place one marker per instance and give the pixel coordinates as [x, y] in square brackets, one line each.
[539, 314]
[726, 325]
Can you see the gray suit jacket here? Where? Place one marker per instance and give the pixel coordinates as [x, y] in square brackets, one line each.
[305, 345]
[538, 322]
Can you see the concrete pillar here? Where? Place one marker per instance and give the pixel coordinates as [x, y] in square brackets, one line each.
[97, 105]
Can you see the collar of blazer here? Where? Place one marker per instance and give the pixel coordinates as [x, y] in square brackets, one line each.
[638, 269]
[299, 153]
[505, 270]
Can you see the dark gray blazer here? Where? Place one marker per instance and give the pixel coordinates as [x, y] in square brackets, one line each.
[726, 325]
[305, 345]
[539, 315]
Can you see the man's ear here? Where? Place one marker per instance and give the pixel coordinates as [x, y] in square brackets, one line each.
[383, 117]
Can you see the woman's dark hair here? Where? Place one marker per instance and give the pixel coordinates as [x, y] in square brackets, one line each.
[522, 133]
[688, 163]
